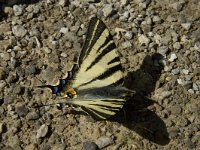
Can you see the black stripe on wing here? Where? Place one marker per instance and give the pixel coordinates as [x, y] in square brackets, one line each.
[101, 55]
[95, 29]
[116, 59]
[109, 72]
[98, 115]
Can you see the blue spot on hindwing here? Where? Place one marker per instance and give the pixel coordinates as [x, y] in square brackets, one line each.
[63, 82]
[55, 90]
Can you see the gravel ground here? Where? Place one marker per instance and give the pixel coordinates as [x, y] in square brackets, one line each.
[159, 43]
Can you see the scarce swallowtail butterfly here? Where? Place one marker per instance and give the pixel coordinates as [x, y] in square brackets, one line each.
[95, 83]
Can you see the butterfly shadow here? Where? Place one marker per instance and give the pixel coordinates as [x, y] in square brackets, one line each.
[135, 114]
[6, 3]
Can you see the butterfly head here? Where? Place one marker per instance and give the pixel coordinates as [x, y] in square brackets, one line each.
[69, 93]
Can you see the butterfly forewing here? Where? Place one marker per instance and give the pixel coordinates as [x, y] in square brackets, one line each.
[99, 62]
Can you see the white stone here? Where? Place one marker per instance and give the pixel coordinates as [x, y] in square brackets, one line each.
[143, 39]
[42, 131]
[64, 30]
[186, 26]
[180, 81]
[185, 71]
[172, 57]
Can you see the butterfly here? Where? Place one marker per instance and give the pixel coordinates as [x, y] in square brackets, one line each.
[95, 82]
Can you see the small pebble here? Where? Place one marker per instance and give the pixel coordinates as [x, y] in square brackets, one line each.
[175, 71]
[64, 30]
[177, 45]
[63, 54]
[191, 91]
[32, 116]
[143, 39]
[186, 26]
[17, 89]
[47, 50]
[126, 44]
[104, 141]
[89, 146]
[172, 57]
[22, 111]
[60, 147]
[185, 71]
[195, 87]
[128, 35]
[124, 2]
[107, 10]
[176, 109]
[42, 131]
[19, 31]
[163, 50]
[63, 2]
[156, 19]
[18, 10]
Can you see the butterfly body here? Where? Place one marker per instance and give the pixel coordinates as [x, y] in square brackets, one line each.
[95, 83]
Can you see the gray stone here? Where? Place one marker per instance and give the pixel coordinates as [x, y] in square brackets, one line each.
[89, 146]
[107, 10]
[177, 45]
[42, 131]
[163, 50]
[104, 141]
[32, 116]
[156, 19]
[195, 87]
[175, 71]
[30, 70]
[128, 35]
[17, 89]
[18, 10]
[173, 133]
[19, 31]
[22, 111]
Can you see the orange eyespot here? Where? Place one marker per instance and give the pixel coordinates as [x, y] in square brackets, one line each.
[71, 93]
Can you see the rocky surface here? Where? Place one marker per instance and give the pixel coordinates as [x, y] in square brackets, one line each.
[159, 44]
